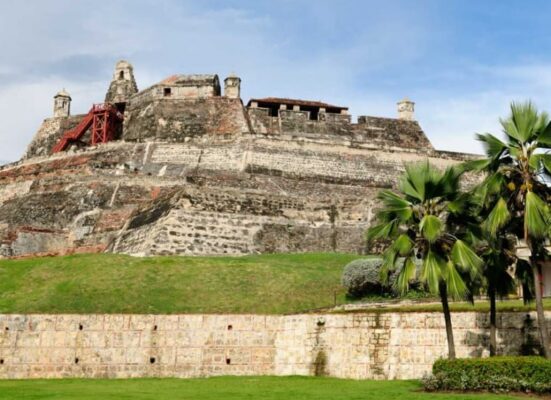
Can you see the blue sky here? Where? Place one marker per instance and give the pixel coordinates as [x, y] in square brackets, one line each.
[462, 62]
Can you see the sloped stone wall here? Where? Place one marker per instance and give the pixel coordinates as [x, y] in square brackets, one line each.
[357, 345]
[255, 194]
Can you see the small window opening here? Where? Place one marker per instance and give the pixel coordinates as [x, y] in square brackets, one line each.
[76, 360]
[121, 75]
[155, 328]
[7, 328]
[1, 361]
[230, 327]
[80, 327]
[152, 360]
[167, 91]
[228, 361]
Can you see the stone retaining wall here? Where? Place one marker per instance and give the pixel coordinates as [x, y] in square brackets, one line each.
[356, 345]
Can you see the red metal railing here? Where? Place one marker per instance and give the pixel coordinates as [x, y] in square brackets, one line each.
[103, 118]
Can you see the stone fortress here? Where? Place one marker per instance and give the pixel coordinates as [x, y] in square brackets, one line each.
[185, 168]
[179, 168]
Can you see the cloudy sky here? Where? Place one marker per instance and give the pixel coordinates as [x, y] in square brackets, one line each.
[461, 62]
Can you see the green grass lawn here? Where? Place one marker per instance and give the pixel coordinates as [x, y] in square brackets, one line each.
[226, 388]
[111, 283]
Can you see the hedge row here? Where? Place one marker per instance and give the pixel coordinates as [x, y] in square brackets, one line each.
[495, 374]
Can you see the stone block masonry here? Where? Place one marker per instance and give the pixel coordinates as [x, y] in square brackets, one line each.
[355, 345]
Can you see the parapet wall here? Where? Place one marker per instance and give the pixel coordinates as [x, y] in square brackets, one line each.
[357, 345]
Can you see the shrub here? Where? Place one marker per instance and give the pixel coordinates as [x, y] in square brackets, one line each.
[495, 374]
[361, 277]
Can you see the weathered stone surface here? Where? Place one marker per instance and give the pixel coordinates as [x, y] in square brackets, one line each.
[123, 85]
[178, 120]
[359, 346]
[245, 195]
[49, 134]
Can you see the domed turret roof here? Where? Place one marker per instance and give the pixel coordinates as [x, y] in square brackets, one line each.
[123, 64]
[62, 93]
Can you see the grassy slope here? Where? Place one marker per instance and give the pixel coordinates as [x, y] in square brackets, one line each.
[227, 388]
[107, 283]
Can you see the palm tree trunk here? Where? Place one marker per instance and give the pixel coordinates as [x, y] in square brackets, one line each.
[542, 326]
[447, 318]
[493, 329]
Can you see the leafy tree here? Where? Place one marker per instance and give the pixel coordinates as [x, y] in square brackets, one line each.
[518, 176]
[429, 219]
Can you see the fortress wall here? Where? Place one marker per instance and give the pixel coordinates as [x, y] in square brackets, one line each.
[335, 162]
[356, 345]
[222, 156]
[46, 136]
[13, 190]
[49, 133]
[179, 120]
[254, 194]
[188, 232]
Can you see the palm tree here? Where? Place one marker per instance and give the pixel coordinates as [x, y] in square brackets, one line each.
[428, 219]
[498, 254]
[497, 257]
[518, 175]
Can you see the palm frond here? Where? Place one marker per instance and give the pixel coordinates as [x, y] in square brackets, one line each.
[476, 165]
[414, 181]
[403, 245]
[498, 217]
[457, 288]
[431, 272]
[524, 122]
[539, 161]
[390, 256]
[431, 227]
[544, 138]
[493, 147]
[395, 205]
[448, 182]
[382, 231]
[405, 276]
[463, 256]
[463, 204]
[495, 183]
[537, 217]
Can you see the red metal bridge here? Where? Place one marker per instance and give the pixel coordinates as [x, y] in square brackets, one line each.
[104, 120]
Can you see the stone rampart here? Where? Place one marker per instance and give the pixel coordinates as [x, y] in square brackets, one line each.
[255, 194]
[355, 345]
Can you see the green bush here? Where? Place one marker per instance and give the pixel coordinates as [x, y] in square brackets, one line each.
[362, 277]
[495, 374]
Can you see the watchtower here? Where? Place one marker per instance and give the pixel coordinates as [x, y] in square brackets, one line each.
[406, 108]
[62, 104]
[123, 85]
[232, 87]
